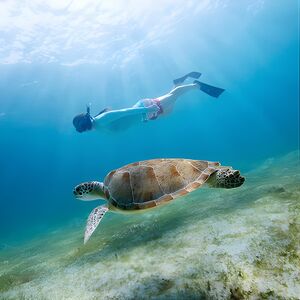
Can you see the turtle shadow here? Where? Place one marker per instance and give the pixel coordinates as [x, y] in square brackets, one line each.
[119, 234]
[122, 234]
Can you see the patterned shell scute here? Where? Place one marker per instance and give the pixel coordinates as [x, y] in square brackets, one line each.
[149, 183]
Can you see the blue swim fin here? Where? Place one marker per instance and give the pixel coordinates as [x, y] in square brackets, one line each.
[209, 89]
[180, 80]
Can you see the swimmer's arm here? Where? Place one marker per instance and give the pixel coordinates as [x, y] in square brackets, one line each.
[114, 115]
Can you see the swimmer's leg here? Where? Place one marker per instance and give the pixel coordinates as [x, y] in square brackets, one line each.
[209, 89]
[167, 101]
[180, 80]
[182, 89]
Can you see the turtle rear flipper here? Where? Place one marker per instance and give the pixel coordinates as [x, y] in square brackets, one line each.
[93, 221]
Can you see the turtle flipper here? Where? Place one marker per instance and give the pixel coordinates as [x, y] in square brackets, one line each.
[93, 221]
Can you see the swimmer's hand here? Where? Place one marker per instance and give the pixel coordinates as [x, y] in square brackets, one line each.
[153, 109]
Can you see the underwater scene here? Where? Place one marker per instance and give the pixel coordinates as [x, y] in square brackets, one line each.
[149, 149]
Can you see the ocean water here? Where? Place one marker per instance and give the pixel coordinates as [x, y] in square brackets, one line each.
[211, 244]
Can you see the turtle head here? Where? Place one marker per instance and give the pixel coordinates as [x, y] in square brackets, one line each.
[87, 191]
[226, 178]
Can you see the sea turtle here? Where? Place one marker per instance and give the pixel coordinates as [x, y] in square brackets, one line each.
[147, 184]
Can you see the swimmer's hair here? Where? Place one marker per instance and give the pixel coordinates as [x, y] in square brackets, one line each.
[83, 122]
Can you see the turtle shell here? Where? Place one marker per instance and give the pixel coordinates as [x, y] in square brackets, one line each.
[150, 183]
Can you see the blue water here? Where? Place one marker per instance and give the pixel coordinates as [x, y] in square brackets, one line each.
[250, 48]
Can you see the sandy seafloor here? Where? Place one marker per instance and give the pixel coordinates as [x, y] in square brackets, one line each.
[213, 244]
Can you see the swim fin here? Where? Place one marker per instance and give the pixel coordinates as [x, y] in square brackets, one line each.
[209, 89]
[180, 80]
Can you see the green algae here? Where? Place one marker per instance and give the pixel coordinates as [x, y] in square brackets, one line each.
[13, 279]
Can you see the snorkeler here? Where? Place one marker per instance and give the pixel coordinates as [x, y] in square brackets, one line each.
[143, 110]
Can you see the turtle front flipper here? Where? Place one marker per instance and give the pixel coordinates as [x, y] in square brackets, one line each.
[226, 178]
[93, 221]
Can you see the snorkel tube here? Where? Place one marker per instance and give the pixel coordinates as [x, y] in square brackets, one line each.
[84, 121]
[88, 109]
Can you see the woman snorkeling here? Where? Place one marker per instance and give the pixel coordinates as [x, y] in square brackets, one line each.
[145, 109]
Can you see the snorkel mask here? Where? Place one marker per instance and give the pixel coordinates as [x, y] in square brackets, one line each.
[83, 121]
